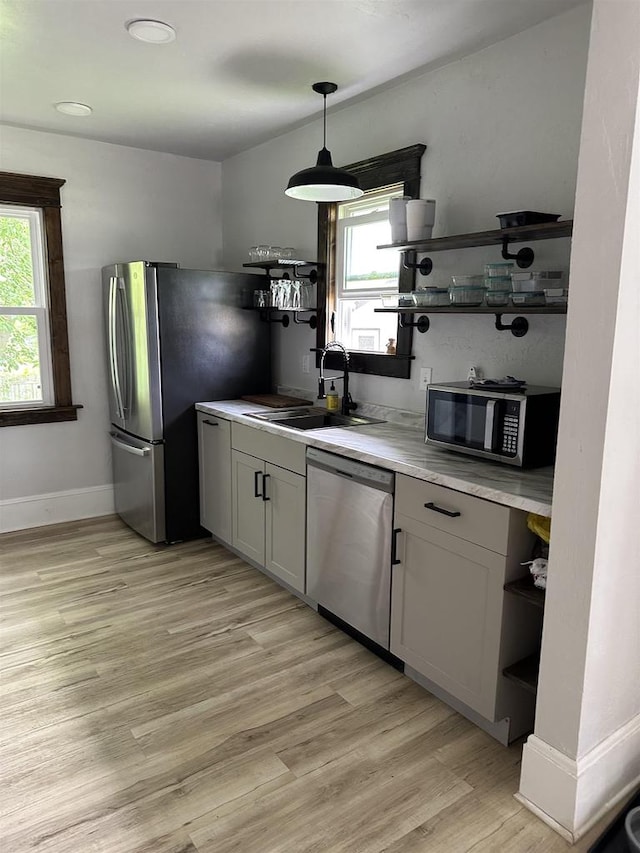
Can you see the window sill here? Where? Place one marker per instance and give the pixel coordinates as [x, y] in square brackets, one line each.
[43, 415]
[372, 363]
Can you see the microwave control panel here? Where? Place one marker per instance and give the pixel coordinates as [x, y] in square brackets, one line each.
[510, 424]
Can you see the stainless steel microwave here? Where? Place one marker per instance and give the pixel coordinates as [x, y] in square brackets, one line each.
[517, 427]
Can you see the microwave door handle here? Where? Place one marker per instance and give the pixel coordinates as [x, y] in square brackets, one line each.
[489, 424]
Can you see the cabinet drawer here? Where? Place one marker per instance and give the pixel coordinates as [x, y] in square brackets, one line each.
[476, 520]
[272, 448]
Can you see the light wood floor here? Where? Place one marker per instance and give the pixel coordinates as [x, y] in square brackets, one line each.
[174, 700]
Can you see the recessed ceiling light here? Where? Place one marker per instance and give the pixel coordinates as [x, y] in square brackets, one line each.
[153, 32]
[73, 108]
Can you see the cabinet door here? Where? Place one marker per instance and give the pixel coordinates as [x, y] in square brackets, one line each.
[446, 611]
[248, 507]
[285, 525]
[214, 450]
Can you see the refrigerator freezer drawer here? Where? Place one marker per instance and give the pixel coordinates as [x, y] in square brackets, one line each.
[138, 469]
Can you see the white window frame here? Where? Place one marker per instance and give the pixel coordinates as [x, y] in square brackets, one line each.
[343, 293]
[40, 308]
[343, 222]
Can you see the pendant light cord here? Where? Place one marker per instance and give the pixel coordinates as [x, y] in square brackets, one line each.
[324, 123]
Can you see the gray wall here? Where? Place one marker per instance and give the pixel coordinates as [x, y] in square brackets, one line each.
[502, 128]
[118, 204]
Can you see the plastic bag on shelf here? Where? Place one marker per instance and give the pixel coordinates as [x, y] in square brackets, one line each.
[538, 569]
[540, 525]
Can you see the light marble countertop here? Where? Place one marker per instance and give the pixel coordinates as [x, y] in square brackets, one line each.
[402, 449]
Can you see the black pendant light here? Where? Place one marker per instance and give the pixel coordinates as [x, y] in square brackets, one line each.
[324, 182]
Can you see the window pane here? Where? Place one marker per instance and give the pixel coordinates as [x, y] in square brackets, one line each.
[366, 266]
[361, 329]
[20, 380]
[16, 265]
[370, 202]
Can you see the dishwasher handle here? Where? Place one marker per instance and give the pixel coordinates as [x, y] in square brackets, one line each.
[394, 546]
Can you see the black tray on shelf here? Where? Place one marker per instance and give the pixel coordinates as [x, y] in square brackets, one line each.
[516, 218]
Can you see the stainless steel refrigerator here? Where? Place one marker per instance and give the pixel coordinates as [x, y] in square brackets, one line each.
[174, 337]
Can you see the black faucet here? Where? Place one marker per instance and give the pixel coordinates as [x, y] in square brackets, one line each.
[347, 403]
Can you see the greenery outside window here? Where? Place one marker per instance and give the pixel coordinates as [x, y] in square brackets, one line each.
[35, 383]
[395, 173]
[25, 364]
[364, 274]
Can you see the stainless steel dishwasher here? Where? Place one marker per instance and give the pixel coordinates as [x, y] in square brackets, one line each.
[349, 530]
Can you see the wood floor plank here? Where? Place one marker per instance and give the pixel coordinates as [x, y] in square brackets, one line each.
[176, 700]
[337, 807]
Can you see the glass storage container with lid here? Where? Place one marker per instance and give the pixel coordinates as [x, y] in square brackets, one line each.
[498, 282]
[501, 269]
[468, 280]
[527, 280]
[434, 296]
[495, 298]
[529, 297]
[469, 296]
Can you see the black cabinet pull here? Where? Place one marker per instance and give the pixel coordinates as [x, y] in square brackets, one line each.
[256, 493]
[265, 477]
[439, 509]
[394, 546]
[211, 423]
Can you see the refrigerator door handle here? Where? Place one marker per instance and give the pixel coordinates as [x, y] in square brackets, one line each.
[121, 296]
[128, 448]
[114, 366]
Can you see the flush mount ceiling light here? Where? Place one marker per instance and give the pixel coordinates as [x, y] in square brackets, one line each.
[153, 32]
[73, 108]
[323, 182]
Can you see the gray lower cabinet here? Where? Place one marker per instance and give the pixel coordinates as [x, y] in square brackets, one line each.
[285, 526]
[248, 510]
[451, 621]
[269, 517]
[214, 453]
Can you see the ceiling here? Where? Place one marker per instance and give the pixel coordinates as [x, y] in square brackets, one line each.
[239, 71]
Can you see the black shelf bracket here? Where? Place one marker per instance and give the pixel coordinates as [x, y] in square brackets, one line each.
[286, 267]
[311, 321]
[523, 258]
[518, 327]
[312, 275]
[424, 266]
[421, 324]
[267, 317]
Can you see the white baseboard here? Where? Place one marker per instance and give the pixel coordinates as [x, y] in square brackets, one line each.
[573, 794]
[52, 508]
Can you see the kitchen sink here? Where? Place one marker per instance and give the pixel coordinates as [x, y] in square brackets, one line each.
[313, 418]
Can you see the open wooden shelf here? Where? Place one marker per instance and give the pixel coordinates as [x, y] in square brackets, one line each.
[524, 233]
[279, 264]
[478, 309]
[525, 672]
[525, 588]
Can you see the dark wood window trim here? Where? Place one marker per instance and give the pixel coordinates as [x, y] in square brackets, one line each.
[401, 166]
[32, 191]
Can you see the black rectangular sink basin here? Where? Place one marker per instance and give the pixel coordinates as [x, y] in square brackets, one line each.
[313, 418]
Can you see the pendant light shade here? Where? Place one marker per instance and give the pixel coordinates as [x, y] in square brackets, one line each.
[323, 182]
